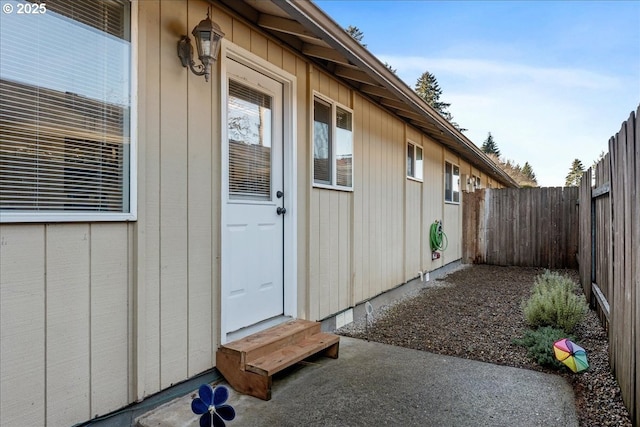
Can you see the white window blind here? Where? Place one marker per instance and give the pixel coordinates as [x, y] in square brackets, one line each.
[65, 108]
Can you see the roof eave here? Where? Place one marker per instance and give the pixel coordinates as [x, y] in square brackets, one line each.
[324, 27]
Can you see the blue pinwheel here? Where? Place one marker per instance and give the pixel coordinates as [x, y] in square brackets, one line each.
[211, 406]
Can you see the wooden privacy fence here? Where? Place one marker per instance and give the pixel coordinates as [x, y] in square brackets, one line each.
[609, 254]
[527, 227]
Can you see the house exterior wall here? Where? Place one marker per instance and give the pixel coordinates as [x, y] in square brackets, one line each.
[98, 315]
[65, 321]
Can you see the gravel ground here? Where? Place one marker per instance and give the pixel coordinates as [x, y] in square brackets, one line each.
[475, 313]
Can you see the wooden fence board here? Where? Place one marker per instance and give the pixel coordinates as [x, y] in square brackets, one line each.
[616, 262]
[585, 234]
[627, 359]
[522, 227]
[543, 227]
[636, 264]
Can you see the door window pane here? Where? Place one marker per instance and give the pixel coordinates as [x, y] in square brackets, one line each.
[249, 129]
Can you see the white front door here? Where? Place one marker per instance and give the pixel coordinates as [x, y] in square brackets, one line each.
[253, 199]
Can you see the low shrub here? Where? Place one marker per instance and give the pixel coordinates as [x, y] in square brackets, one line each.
[554, 303]
[539, 345]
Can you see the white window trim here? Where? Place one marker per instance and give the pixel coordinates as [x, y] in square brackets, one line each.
[132, 215]
[413, 178]
[334, 106]
[451, 202]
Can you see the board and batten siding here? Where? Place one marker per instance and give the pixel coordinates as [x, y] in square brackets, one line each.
[365, 242]
[64, 321]
[179, 223]
[330, 218]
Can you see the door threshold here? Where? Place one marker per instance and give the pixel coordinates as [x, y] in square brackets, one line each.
[256, 327]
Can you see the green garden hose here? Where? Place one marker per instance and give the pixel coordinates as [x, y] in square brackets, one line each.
[438, 239]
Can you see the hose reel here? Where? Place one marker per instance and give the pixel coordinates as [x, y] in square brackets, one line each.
[437, 239]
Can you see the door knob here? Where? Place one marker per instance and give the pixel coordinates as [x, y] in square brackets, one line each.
[281, 211]
[279, 194]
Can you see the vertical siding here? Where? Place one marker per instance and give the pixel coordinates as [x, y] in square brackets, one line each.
[68, 323]
[330, 224]
[22, 325]
[375, 202]
[299, 68]
[358, 243]
[413, 229]
[110, 317]
[199, 215]
[433, 197]
[148, 224]
[181, 187]
[65, 322]
[379, 202]
[180, 248]
[173, 198]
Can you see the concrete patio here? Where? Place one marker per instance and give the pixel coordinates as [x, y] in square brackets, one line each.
[378, 384]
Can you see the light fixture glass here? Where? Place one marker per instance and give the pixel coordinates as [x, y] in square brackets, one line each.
[208, 36]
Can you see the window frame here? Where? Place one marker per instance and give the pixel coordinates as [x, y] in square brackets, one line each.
[45, 216]
[451, 174]
[333, 141]
[476, 182]
[416, 147]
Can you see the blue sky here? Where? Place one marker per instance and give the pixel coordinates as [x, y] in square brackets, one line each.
[551, 80]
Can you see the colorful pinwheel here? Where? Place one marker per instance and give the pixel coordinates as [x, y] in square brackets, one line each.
[211, 405]
[571, 354]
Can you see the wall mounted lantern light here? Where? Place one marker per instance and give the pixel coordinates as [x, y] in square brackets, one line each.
[208, 36]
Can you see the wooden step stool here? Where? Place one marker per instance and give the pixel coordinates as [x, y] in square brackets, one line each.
[249, 363]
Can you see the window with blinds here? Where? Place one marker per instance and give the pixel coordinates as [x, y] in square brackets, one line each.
[65, 108]
[249, 129]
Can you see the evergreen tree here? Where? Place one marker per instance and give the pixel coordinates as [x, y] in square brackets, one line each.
[527, 171]
[393, 70]
[575, 174]
[489, 146]
[594, 166]
[356, 33]
[427, 88]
